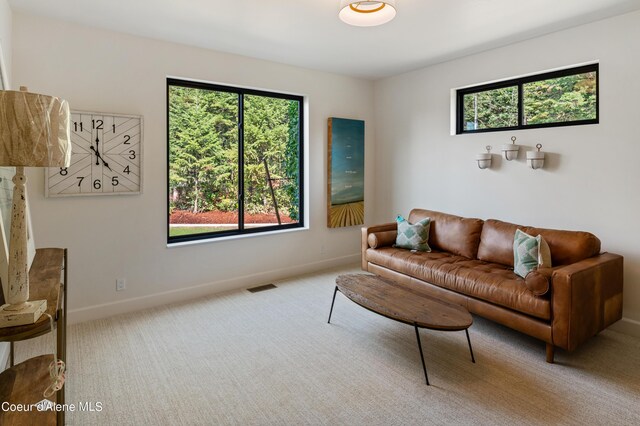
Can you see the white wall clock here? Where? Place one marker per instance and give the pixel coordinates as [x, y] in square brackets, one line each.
[106, 157]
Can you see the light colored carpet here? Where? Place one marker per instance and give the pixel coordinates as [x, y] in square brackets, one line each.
[270, 358]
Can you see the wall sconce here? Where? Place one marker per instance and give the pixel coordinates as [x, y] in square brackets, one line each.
[484, 159]
[510, 150]
[536, 158]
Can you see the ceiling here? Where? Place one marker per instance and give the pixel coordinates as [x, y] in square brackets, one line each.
[308, 33]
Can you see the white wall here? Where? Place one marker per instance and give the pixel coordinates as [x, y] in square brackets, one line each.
[124, 236]
[6, 24]
[592, 174]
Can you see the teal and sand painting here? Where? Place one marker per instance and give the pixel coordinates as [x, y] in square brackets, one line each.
[346, 173]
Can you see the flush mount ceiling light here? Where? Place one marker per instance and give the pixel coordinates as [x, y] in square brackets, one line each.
[367, 13]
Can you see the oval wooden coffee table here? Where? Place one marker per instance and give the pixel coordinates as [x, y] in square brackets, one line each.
[403, 304]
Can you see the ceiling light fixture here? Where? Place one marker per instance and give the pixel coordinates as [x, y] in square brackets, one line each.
[367, 13]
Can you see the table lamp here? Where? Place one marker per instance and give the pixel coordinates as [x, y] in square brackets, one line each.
[34, 132]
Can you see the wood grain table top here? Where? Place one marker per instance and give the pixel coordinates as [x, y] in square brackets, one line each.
[395, 301]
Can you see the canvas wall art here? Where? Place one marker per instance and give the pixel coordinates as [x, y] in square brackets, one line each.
[345, 182]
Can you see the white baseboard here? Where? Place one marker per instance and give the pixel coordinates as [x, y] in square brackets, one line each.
[627, 326]
[138, 303]
[4, 356]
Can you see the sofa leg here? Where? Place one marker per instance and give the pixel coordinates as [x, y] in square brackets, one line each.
[550, 351]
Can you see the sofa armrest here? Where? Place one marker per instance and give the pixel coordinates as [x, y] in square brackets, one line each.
[392, 226]
[586, 297]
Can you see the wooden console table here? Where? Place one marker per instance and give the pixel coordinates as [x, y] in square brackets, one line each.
[25, 383]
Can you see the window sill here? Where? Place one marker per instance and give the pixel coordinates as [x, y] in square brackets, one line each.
[235, 237]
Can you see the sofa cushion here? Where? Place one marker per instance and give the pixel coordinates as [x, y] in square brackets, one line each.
[491, 282]
[413, 236]
[455, 234]
[567, 247]
[538, 281]
[496, 242]
[382, 238]
[529, 252]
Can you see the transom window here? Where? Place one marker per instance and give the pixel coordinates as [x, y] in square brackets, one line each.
[567, 97]
[235, 161]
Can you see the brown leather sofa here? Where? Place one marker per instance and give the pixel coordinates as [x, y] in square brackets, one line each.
[471, 264]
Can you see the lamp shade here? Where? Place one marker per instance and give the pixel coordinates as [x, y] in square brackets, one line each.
[34, 130]
[367, 13]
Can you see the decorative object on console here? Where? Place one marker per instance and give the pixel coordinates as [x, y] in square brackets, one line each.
[484, 159]
[34, 132]
[535, 159]
[345, 180]
[413, 236]
[6, 203]
[367, 13]
[106, 159]
[529, 253]
[510, 150]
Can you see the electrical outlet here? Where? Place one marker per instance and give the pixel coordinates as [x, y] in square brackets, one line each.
[121, 284]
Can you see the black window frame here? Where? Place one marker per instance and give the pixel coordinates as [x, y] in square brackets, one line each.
[241, 92]
[519, 83]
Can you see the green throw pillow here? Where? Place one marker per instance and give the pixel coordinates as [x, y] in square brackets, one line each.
[413, 237]
[529, 253]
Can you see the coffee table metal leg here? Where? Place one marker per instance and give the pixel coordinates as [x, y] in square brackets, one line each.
[332, 302]
[470, 349]
[424, 367]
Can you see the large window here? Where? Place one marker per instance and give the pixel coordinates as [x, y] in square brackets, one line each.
[561, 98]
[235, 161]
